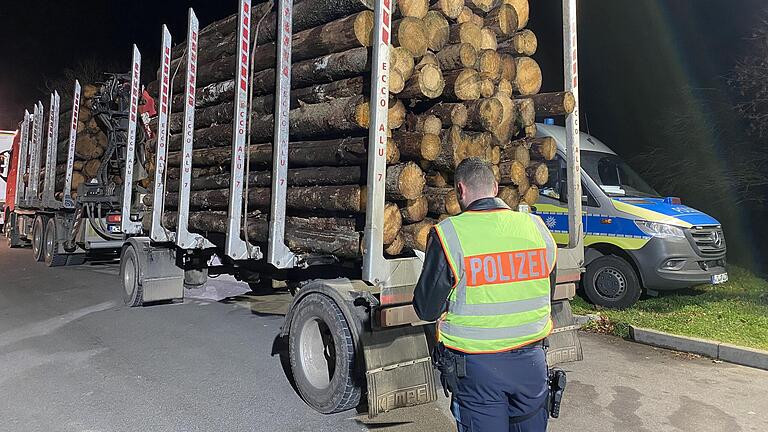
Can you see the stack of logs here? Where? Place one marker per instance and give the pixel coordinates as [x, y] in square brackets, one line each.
[462, 84]
[90, 144]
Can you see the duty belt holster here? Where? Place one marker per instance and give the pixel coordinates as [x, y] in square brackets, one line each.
[452, 366]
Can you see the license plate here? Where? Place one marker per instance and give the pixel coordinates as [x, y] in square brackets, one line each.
[116, 229]
[719, 278]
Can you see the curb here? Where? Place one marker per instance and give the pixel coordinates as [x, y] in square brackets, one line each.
[717, 350]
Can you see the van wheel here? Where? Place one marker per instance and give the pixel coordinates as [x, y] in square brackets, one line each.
[610, 281]
[38, 238]
[322, 355]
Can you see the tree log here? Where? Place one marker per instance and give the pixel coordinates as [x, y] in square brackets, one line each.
[528, 76]
[417, 145]
[512, 172]
[424, 123]
[314, 176]
[487, 88]
[335, 236]
[427, 82]
[483, 6]
[488, 39]
[450, 8]
[404, 181]
[531, 195]
[396, 247]
[413, 8]
[489, 65]
[484, 114]
[462, 84]
[510, 196]
[416, 235]
[438, 179]
[466, 33]
[413, 211]
[392, 222]
[442, 201]
[411, 34]
[508, 68]
[522, 43]
[502, 20]
[522, 11]
[554, 104]
[452, 150]
[538, 173]
[437, 30]
[457, 56]
[450, 114]
[526, 111]
[401, 60]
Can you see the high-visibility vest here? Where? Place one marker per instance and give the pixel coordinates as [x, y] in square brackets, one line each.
[501, 261]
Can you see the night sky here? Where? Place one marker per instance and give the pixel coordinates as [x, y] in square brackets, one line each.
[641, 61]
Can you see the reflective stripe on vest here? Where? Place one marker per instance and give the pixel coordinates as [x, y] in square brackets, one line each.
[501, 290]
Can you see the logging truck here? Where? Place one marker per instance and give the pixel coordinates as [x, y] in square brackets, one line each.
[81, 220]
[333, 201]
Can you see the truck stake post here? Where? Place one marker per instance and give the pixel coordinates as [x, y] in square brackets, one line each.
[49, 184]
[157, 232]
[68, 201]
[21, 167]
[129, 226]
[34, 156]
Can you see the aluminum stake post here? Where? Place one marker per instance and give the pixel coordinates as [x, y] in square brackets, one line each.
[279, 255]
[21, 161]
[235, 247]
[49, 184]
[571, 65]
[34, 156]
[68, 201]
[129, 226]
[184, 238]
[157, 232]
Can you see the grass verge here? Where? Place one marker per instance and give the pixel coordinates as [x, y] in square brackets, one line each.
[735, 312]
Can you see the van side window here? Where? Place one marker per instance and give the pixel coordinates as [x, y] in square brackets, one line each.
[556, 186]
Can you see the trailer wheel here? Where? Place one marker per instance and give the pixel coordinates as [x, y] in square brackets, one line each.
[611, 282]
[38, 238]
[322, 355]
[51, 246]
[133, 294]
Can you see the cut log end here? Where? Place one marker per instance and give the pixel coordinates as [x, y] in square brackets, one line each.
[437, 30]
[528, 77]
[392, 222]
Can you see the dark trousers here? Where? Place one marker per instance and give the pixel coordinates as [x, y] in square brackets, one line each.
[503, 392]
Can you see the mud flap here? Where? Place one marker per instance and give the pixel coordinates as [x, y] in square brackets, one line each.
[564, 343]
[398, 369]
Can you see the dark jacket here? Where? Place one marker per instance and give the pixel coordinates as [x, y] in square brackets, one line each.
[436, 280]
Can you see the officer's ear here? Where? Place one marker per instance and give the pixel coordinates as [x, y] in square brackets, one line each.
[495, 188]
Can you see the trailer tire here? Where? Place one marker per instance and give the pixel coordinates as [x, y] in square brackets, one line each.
[611, 282]
[51, 246]
[38, 237]
[130, 273]
[322, 355]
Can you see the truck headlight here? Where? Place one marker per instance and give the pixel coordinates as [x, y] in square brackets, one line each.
[660, 230]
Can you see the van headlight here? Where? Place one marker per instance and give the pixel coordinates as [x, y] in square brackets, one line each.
[660, 230]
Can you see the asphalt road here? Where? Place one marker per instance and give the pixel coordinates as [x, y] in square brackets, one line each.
[73, 358]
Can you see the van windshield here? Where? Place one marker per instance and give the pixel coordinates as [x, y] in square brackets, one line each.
[614, 176]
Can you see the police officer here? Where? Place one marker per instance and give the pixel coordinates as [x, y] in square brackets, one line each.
[486, 281]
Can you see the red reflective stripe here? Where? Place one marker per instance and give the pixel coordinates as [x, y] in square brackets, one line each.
[506, 267]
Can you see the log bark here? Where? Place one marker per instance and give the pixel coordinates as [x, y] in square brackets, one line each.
[415, 146]
[335, 236]
[452, 150]
[392, 222]
[484, 114]
[396, 247]
[438, 179]
[457, 56]
[404, 181]
[348, 198]
[554, 104]
[416, 235]
[502, 20]
[508, 68]
[526, 112]
[314, 176]
[450, 114]
[483, 6]
[531, 195]
[522, 43]
[413, 211]
[504, 129]
[544, 148]
[442, 201]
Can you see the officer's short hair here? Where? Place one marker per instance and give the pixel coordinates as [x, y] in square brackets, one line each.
[476, 174]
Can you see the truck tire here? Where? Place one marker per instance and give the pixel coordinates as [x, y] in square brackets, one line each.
[195, 278]
[610, 281]
[51, 246]
[322, 355]
[130, 271]
[38, 237]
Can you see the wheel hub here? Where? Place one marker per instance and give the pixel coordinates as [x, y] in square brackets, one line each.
[610, 283]
[129, 277]
[317, 353]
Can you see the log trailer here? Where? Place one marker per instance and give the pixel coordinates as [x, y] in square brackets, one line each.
[67, 230]
[351, 329]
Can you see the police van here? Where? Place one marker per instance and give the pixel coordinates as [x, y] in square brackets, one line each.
[634, 238]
